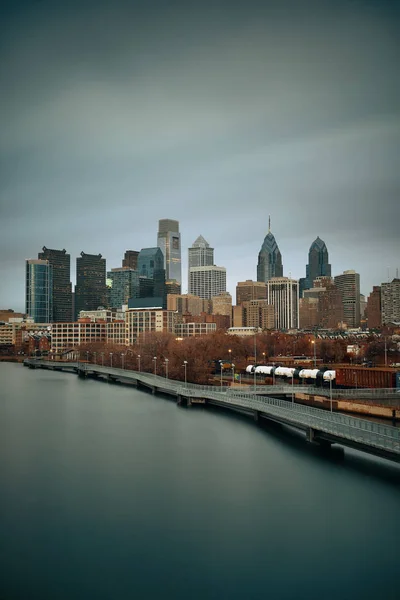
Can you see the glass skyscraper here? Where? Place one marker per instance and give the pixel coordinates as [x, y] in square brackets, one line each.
[169, 242]
[124, 285]
[39, 290]
[318, 263]
[62, 287]
[152, 274]
[269, 259]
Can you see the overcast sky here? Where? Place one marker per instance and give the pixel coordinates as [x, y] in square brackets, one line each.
[116, 114]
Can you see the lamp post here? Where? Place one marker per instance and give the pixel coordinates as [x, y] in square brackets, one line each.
[264, 358]
[155, 365]
[138, 357]
[385, 353]
[102, 359]
[166, 368]
[122, 359]
[233, 373]
[87, 355]
[315, 352]
[221, 369]
[330, 390]
[111, 355]
[95, 357]
[292, 389]
[185, 365]
[255, 357]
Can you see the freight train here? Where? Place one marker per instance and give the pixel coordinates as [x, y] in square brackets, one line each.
[341, 377]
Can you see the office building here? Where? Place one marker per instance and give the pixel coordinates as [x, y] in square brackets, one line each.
[172, 287]
[90, 289]
[140, 321]
[373, 310]
[222, 305]
[250, 290]
[187, 304]
[39, 290]
[327, 310]
[130, 259]
[269, 258]
[200, 254]
[349, 287]
[60, 262]
[318, 264]
[283, 294]
[151, 269]
[169, 242]
[390, 302]
[183, 330]
[258, 313]
[207, 282]
[124, 285]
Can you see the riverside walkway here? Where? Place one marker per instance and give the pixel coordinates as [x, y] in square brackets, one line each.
[320, 426]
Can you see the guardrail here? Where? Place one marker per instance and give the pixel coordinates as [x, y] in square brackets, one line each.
[384, 437]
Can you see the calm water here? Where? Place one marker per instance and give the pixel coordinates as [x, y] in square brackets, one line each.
[110, 493]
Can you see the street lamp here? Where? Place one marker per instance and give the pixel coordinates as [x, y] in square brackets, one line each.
[111, 355]
[166, 368]
[221, 369]
[315, 352]
[185, 365]
[255, 357]
[292, 388]
[233, 373]
[102, 359]
[264, 358]
[138, 357]
[330, 388]
[155, 365]
[122, 359]
[87, 356]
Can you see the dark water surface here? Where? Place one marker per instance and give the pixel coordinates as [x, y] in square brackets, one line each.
[110, 493]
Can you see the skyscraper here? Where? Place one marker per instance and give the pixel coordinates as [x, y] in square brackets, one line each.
[373, 310]
[269, 258]
[207, 282]
[39, 290]
[152, 273]
[390, 301]
[283, 294]
[349, 286]
[250, 290]
[169, 242]
[124, 285]
[318, 265]
[200, 254]
[130, 259]
[90, 289]
[62, 287]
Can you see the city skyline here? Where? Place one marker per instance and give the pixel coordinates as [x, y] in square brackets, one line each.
[216, 118]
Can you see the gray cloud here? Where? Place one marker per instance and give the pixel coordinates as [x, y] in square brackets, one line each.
[113, 116]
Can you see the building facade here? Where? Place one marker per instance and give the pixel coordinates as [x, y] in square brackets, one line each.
[124, 285]
[200, 254]
[258, 313]
[130, 259]
[141, 321]
[207, 282]
[60, 262]
[183, 330]
[250, 290]
[373, 310]
[39, 290]
[283, 294]
[222, 305]
[169, 242]
[349, 287]
[269, 259]
[318, 263]
[390, 302]
[90, 289]
[187, 304]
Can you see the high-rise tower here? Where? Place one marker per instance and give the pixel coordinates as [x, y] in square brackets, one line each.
[269, 258]
[90, 289]
[169, 242]
[39, 290]
[318, 263]
[62, 287]
[349, 286]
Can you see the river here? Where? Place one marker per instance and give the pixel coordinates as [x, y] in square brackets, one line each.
[111, 493]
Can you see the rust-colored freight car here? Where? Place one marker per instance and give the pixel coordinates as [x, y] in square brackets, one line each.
[365, 377]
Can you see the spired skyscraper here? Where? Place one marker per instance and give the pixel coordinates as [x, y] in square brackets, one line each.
[169, 242]
[269, 258]
[318, 265]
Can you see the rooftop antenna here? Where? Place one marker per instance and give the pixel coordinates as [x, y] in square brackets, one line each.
[269, 223]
